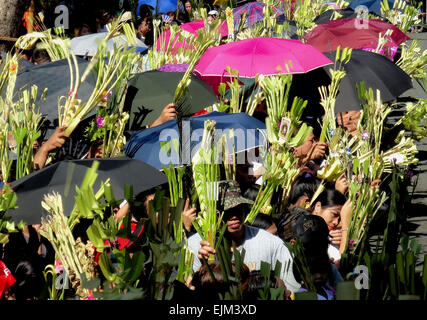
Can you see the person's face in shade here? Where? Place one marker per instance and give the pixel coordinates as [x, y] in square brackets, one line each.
[234, 219]
[188, 7]
[349, 120]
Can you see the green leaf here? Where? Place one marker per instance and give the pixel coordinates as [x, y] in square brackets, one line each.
[106, 267]
[4, 238]
[346, 290]
[305, 296]
[89, 284]
[129, 193]
[96, 235]
[108, 194]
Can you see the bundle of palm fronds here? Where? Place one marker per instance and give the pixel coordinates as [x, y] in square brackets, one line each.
[285, 132]
[72, 110]
[206, 178]
[305, 13]
[76, 257]
[25, 120]
[402, 14]
[413, 60]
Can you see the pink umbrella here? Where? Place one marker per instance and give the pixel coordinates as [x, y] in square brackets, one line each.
[266, 56]
[191, 27]
[353, 33]
[199, 24]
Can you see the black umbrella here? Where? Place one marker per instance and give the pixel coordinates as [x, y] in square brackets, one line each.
[327, 15]
[56, 77]
[376, 71]
[64, 176]
[151, 91]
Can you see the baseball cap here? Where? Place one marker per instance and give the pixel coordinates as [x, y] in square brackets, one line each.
[230, 195]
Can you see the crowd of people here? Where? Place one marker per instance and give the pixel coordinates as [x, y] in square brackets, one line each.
[317, 222]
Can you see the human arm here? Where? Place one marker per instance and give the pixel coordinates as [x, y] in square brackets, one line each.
[188, 215]
[168, 113]
[205, 250]
[345, 222]
[122, 212]
[341, 184]
[56, 141]
[316, 151]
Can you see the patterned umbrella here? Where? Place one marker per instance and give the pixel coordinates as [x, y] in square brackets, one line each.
[254, 12]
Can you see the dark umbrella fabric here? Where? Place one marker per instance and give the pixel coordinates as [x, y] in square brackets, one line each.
[145, 145]
[377, 72]
[326, 16]
[151, 91]
[56, 77]
[290, 30]
[64, 176]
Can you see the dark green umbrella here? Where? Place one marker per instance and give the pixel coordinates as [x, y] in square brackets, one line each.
[64, 176]
[151, 91]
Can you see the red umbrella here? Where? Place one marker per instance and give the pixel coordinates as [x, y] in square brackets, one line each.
[353, 33]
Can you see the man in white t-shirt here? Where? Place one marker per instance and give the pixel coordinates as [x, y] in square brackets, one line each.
[259, 245]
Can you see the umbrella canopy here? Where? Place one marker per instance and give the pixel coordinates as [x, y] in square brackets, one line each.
[374, 6]
[145, 144]
[151, 91]
[56, 77]
[254, 56]
[254, 11]
[162, 6]
[327, 15]
[261, 55]
[64, 176]
[193, 26]
[88, 45]
[174, 67]
[348, 33]
[377, 72]
[417, 92]
[289, 27]
[190, 27]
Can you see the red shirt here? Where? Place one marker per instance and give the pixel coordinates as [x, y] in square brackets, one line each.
[6, 279]
[123, 242]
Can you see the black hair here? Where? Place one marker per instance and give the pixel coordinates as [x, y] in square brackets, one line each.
[28, 284]
[40, 56]
[208, 289]
[313, 233]
[305, 185]
[251, 193]
[145, 11]
[257, 281]
[330, 198]
[263, 221]
[287, 220]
